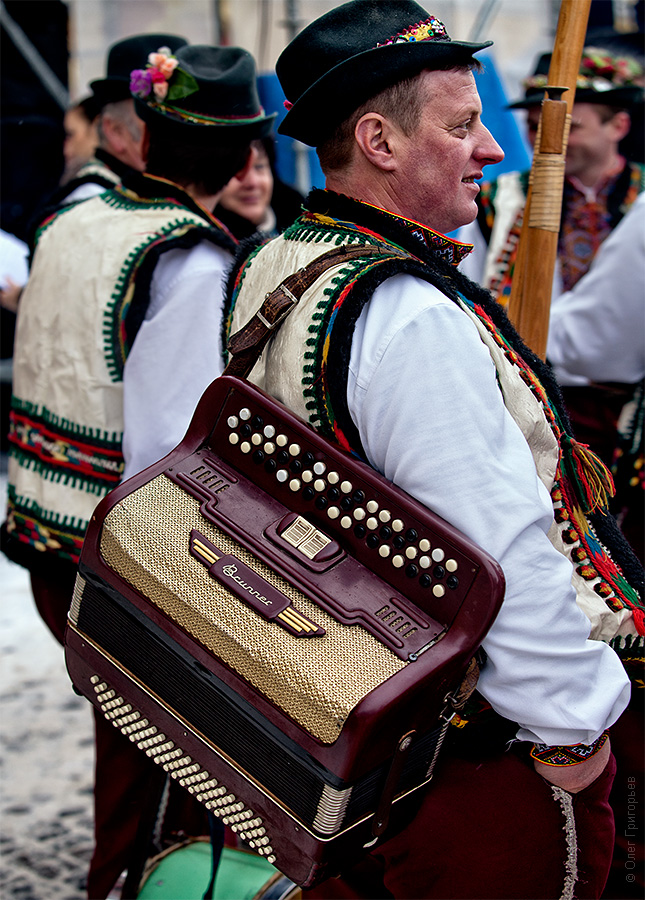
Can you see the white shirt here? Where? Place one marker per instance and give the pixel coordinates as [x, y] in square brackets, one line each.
[598, 328]
[423, 394]
[176, 353]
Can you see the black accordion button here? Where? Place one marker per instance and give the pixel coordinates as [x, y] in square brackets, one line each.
[439, 571]
[425, 581]
[373, 540]
[411, 535]
[453, 582]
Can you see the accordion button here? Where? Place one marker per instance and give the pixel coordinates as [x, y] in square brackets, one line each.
[360, 531]
[439, 572]
[386, 532]
[245, 447]
[232, 421]
[453, 582]
[398, 560]
[438, 590]
[452, 565]
[372, 523]
[411, 552]
[411, 571]
[307, 476]
[424, 562]
[372, 506]
[234, 438]
[346, 503]
[397, 525]
[294, 449]
[270, 466]
[346, 522]
[424, 545]
[333, 493]
[296, 466]
[372, 541]
[258, 457]
[385, 515]
[269, 447]
[438, 554]
[425, 581]
[308, 459]
[282, 440]
[320, 468]
[358, 496]
[246, 431]
[333, 512]
[257, 422]
[333, 477]
[411, 535]
[399, 542]
[256, 439]
[245, 414]
[269, 431]
[320, 484]
[308, 493]
[295, 484]
[384, 551]
[321, 502]
[346, 487]
[282, 475]
[359, 514]
[282, 457]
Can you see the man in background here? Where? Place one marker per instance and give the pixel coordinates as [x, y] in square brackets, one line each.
[118, 334]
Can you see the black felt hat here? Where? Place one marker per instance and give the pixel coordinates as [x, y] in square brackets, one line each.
[211, 91]
[354, 52]
[123, 57]
[604, 77]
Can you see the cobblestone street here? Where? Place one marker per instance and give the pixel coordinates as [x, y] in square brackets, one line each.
[46, 755]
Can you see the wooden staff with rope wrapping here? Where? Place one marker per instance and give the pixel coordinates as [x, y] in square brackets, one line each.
[530, 299]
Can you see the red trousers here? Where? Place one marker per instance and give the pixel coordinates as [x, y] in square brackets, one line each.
[489, 830]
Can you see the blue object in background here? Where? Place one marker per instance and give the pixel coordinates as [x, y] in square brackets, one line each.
[498, 119]
[272, 99]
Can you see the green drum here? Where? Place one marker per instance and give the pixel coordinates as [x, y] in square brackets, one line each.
[184, 872]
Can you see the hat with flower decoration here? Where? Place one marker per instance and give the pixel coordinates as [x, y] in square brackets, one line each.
[352, 53]
[200, 92]
[123, 57]
[603, 77]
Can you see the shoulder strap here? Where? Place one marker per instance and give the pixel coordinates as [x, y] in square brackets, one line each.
[246, 345]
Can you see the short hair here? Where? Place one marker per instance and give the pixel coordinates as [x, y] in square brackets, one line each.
[208, 167]
[122, 111]
[401, 102]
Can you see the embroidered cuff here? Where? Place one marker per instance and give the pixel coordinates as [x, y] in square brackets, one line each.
[567, 755]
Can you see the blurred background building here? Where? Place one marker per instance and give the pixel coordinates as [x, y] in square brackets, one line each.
[51, 49]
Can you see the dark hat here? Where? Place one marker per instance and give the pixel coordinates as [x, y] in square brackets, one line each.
[354, 52]
[604, 77]
[200, 93]
[123, 57]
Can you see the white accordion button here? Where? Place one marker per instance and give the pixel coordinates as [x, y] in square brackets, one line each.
[269, 431]
[282, 440]
[294, 484]
[385, 515]
[372, 523]
[411, 552]
[346, 487]
[359, 513]
[397, 525]
[346, 522]
[437, 554]
[269, 447]
[232, 421]
[245, 414]
[384, 551]
[294, 449]
[333, 477]
[424, 545]
[320, 468]
[424, 562]
[452, 565]
[438, 590]
[398, 560]
[333, 512]
[245, 447]
[320, 484]
[282, 475]
[234, 438]
[372, 506]
[307, 476]
[256, 439]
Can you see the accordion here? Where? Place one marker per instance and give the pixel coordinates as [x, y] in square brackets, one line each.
[280, 628]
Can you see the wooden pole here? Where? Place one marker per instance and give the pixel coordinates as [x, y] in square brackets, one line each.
[530, 300]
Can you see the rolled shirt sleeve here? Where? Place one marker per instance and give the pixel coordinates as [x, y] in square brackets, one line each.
[423, 393]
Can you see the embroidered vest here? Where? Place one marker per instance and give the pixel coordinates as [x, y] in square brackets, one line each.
[88, 289]
[306, 368]
[501, 208]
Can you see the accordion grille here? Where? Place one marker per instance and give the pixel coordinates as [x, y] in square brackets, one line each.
[302, 677]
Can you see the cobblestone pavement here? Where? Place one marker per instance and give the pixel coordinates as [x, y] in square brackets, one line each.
[46, 755]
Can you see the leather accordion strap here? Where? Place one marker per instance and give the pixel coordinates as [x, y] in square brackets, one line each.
[246, 345]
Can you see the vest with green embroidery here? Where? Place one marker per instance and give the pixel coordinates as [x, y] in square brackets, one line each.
[306, 368]
[86, 297]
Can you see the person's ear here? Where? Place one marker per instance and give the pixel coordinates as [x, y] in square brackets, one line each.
[145, 145]
[373, 135]
[621, 124]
